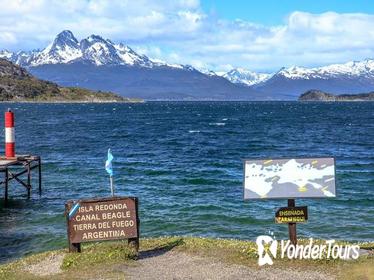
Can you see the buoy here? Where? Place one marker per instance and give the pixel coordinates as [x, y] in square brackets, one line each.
[9, 135]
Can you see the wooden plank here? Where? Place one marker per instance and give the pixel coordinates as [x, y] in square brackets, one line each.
[6, 186]
[28, 181]
[28, 163]
[15, 177]
[6, 162]
[40, 175]
[17, 174]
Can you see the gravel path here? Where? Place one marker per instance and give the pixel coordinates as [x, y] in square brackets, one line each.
[178, 265]
[49, 266]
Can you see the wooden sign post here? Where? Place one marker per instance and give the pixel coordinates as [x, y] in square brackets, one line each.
[292, 226]
[114, 218]
[292, 215]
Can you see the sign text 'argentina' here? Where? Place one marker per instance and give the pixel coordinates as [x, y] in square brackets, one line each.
[102, 219]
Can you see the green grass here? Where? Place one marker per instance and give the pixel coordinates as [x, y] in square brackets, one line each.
[104, 260]
[99, 253]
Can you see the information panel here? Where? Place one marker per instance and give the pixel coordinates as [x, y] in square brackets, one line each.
[102, 219]
[289, 178]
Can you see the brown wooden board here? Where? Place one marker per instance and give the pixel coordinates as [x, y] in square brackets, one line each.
[102, 219]
[292, 214]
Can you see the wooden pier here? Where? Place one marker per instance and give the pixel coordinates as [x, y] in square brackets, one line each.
[14, 168]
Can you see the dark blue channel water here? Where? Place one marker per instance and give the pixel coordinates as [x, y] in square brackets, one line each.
[184, 162]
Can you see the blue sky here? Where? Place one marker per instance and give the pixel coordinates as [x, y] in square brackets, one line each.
[219, 35]
[274, 12]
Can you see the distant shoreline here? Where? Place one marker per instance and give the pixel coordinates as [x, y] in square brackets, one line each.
[72, 102]
[17, 85]
[321, 96]
[186, 101]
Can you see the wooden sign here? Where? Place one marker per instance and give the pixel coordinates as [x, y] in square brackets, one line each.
[102, 219]
[291, 215]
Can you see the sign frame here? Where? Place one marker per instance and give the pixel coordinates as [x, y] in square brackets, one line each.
[287, 158]
[133, 241]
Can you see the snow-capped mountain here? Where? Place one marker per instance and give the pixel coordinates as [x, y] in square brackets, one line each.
[64, 48]
[70, 62]
[20, 58]
[348, 78]
[207, 72]
[351, 68]
[288, 83]
[100, 64]
[94, 49]
[6, 54]
[246, 77]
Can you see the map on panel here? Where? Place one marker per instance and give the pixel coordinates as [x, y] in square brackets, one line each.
[289, 178]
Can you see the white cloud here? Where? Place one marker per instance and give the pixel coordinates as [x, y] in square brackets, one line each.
[181, 32]
[8, 37]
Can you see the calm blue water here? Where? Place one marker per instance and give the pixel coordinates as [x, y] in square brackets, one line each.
[184, 162]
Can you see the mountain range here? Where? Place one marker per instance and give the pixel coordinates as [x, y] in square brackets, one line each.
[100, 64]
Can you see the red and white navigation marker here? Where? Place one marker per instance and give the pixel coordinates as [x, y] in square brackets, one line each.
[9, 135]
